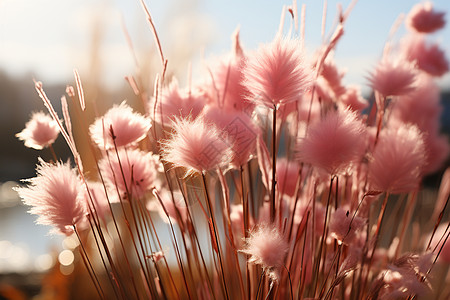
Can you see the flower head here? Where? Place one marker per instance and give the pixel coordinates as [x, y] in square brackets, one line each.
[197, 146]
[39, 132]
[398, 160]
[422, 18]
[55, 195]
[177, 103]
[240, 131]
[133, 172]
[344, 225]
[335, 143]
[353, 99]
[267, 247]
[230, 90]
[393, 78]
[277, 73]
[428, 57]
[127, 126]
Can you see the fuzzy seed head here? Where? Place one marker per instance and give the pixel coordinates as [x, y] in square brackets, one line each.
[39, 132]
[277, 73]
[127, 126]
[196, 146]
[55, 195]
[267, 247]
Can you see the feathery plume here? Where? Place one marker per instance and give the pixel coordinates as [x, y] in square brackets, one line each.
[197, 146]
[177, 103]
[277, 73]
[393, 78]
[127, 126]
[267, 247]
[335, 143]
[55, 195]
[424, 19]
[398, 159]
[132, 172]
[39, 132]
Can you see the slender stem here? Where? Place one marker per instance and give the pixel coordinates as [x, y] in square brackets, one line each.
[177, 250]
[211, 213]
[441, 214]
[322, 239]
[274, 163]
[89, 266]
[376, 237]
[52, 151]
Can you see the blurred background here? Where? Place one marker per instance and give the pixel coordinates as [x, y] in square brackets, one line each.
[45, 40]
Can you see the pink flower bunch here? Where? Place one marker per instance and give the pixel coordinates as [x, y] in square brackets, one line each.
[270, 179]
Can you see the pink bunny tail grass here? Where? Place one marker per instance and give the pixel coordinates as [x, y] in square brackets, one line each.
[413, 108]
[353, 100]
[428, 57]
[177, 103]
[424, 19]
[39, 132]
[196, 146]
[335, 143]
[229, 89]
[240, 131]
[393, 78]
[56, 196]
[277, 73]
[127, 126]
[132, 172]
[267, 247]
[397, 162]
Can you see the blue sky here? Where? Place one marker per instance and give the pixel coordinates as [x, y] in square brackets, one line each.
[49, 38]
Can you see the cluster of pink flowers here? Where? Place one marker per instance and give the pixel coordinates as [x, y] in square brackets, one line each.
[269, 176]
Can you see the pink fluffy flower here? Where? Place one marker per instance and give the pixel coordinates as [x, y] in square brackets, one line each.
[277, 73]
[55, 195]
[128, 127]
[393, 78]
[197, 146]
[438, 150]
[229, 90]
[344, 227]
[333, 77]
[422, 107]
[39, 132]
[132, 172]
[240, 130]
[398, 159]
[267, 247]
[177, 103]
[422, 18]
[428, 57]
[335, 143]
[403, 277]
[352, 99]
